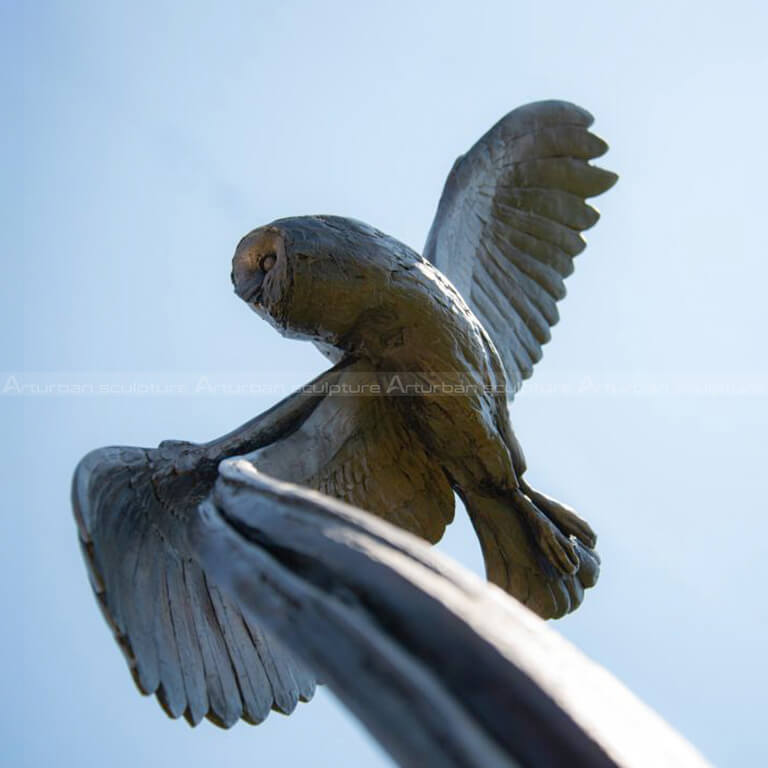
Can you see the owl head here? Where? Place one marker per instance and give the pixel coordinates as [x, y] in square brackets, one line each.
[321, 278]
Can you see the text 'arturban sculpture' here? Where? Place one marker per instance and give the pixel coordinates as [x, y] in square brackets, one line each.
[427, 352]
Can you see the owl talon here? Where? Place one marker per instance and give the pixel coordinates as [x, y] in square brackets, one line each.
[553, 544]
[562, 516]
[557, 548]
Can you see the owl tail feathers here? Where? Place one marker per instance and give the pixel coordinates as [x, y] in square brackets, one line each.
[535, 548]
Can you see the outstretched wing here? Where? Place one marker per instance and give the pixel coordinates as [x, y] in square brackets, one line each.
[508, 222]
[184, 640]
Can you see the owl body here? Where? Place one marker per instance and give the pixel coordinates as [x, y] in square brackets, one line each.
[361, 294]
[460, 388]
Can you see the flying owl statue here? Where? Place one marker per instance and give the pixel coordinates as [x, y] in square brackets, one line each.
[427, 352]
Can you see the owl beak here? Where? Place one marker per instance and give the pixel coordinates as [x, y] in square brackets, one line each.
[247, 277]
[249, 288]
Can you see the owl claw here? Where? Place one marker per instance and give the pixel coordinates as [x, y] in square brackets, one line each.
[552, 543]
[557, 548]
[562, 516]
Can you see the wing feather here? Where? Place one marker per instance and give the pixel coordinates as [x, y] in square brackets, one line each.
[172, 691]
[223, 695]
[190, 658]
[252, 680]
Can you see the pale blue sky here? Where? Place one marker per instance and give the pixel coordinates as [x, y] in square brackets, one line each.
[144, 139]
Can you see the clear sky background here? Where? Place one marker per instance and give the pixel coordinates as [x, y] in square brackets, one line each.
[142, 140]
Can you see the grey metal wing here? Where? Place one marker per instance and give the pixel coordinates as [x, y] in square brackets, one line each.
[184, 640]
[509, 220]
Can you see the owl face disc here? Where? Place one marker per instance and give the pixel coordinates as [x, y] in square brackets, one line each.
[259, 255]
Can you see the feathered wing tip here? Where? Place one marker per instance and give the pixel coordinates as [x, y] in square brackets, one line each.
[518, 561]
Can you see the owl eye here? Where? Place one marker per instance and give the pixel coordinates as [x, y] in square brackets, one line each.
[267, 261]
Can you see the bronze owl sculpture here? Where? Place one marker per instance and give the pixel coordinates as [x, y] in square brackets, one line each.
[427, 350]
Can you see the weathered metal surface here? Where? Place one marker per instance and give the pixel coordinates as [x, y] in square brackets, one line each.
[442, 668]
